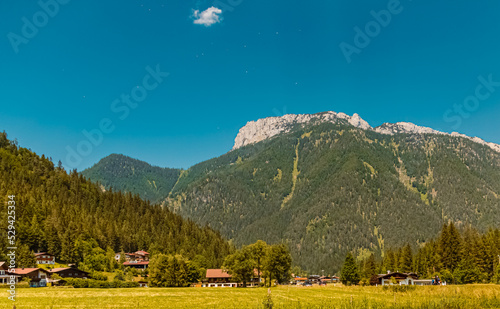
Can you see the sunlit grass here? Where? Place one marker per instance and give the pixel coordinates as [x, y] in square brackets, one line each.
[471, 296]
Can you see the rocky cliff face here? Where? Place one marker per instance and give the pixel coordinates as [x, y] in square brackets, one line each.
[256, 131]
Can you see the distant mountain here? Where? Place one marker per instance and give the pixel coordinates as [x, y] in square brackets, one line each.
[130, 175]
[329, 183]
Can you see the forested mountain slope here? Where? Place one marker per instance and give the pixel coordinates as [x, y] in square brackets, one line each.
[329, 183]
[59, 213]
[332, 187]
[130, 175]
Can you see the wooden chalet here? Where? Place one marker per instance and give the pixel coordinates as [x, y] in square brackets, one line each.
[70, 272]
[37, 276]
[45, 258]
[218, 278]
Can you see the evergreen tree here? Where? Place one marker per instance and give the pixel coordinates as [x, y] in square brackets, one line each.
[389, 261]
[25, 258]
[406, 259]
[454, 247]
[350, 273]
[370, 267]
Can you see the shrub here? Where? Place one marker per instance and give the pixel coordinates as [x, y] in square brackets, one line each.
[99, 276]
[97, 284]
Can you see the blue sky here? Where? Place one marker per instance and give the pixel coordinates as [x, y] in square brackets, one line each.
[229, 64]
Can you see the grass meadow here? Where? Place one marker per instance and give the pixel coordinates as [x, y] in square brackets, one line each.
[470, 296]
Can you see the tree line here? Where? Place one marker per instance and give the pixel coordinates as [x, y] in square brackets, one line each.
[258, 260]
[457, 256]
[76, 220]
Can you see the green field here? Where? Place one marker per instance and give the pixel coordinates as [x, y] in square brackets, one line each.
[471, 296]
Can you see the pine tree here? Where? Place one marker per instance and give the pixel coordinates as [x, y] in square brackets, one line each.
[389, 261]
[350, 273]
[370, 267]
[449, 246]
[406, 259]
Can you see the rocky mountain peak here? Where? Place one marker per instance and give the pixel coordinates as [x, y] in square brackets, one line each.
[256, 131]
[262, 129]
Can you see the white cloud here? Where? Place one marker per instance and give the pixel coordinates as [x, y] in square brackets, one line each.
[208, 17]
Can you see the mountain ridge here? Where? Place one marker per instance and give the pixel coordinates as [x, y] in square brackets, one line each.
[256, 131]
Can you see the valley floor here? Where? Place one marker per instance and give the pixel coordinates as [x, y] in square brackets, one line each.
[470, 296]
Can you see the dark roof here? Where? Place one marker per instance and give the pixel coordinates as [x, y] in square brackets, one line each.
[56, 270]
[397, 274]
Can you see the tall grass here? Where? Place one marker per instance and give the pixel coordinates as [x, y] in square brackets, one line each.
[433, 297]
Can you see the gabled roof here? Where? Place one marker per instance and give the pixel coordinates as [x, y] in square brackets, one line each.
[217, 273]
[43, 253]
[141, 252]
[25, 271]
[56, 270]
[397, 274]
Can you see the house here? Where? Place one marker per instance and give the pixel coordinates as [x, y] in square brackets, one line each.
[137, 264]
[37, 276]
[299, 280]
[400, 278]
[218, 278]
[70, 272]
[141, 255]
[5, 276]
[45, 258]
[314, 279]
[138, 256]
[326, 279]
[143, 284]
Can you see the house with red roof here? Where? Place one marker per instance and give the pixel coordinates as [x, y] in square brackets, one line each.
[218, 278]
[37, 276]
[138, 256]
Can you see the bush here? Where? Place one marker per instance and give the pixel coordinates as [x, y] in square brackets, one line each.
[447, 276]
[99, 276]
[97, 284]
